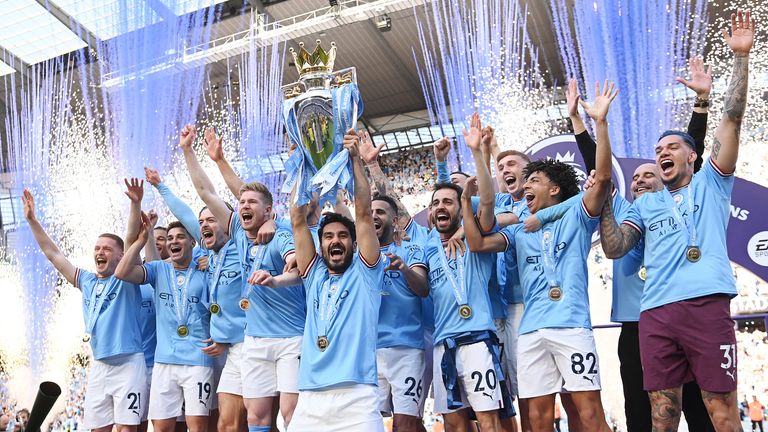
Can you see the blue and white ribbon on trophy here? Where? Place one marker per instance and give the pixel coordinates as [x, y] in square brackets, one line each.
[337, 172]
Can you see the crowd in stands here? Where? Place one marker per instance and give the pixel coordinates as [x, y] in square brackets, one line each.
[410, 172]
[11, 418]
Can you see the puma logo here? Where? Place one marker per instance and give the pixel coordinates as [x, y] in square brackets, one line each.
[489, 396]
[135, 412]
[730, 374]
[592, 380]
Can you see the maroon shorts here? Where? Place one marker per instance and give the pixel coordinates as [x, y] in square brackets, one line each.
[687, 340]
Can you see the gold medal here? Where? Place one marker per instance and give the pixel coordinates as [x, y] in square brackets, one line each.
[245, 304]
[465, 311]
[322, 343]
[555, 293]
[86, 337]
[643, 273]
[182, 331]
[214, 308]
[693, 253]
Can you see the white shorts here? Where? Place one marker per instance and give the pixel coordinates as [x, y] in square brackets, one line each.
[509, 344]
[560, 359]
[230, 380]
[116, 392]
[345, 409]
[270, 366]
[427, 380]
[174, 385]
[145, 416]
[400, 380]
[218, 367]
[476, 378]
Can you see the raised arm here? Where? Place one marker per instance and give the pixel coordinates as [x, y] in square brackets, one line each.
[178, 208]
[302, 236]
[473, 138]
[476, 241]
[595, 197]
[150, 249]
[489, 136]
[49, 248]
[128, 269]
[203, 184]
[369, 153]
[701, 84]
[441, 148]
[215, 149]
[367, 242]
[135, 193]
[341, 207]
[415, 277]
[616, 239]
[725, 147]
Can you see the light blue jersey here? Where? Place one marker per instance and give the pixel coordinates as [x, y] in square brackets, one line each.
[670, 276]
[345, 310]
[274, 313]
[147, 322]
[111, 312]
[400, 313]
[513, 290]
[571, 240]
[420, 235]
[225, 287]
[313, 229]
[477, 269]
[627, 284]
[169, 283]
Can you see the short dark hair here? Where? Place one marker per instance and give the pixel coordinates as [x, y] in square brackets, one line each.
[460, 172]
[161, 228]
[332, 217]
[229, 206]
[559, 173]
[684, 136]
[177, 224]
[387, 199]
[458, 189]
[114, 237]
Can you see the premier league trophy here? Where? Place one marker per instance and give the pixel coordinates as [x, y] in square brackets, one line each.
[317, 110]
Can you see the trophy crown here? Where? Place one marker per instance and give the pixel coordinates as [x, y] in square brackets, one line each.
[319, 60]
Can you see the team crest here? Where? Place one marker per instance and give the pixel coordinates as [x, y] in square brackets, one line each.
[254, 250]
[678, 198]
[99, 289]
[180, 280]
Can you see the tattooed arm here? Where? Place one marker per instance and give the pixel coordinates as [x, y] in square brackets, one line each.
[370, 153]
[616, 239]
[725, 147]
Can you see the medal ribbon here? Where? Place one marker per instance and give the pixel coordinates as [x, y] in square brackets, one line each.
[459, 286]
[689, 227]
[214, 293]
[257, 260]
[96, 305]
[548, 257]
[180, 304]
[329, 302]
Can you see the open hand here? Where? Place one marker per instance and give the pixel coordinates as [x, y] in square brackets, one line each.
[135, 191]
[742, 34]
[598, 111]
[29, 205]
[213, 145]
